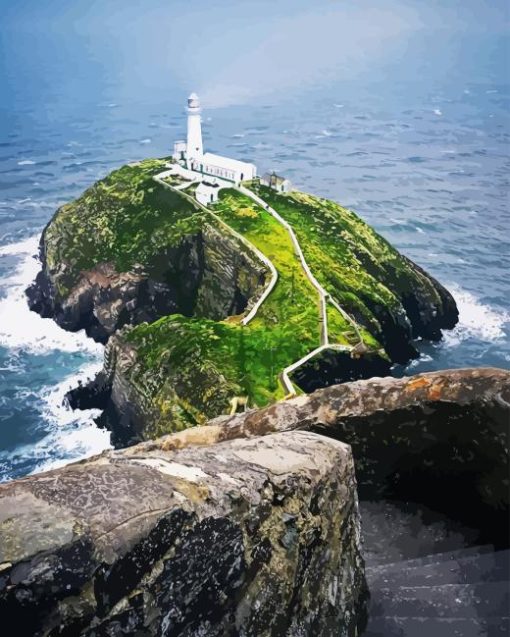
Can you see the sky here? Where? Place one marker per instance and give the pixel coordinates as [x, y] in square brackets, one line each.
[234, 52]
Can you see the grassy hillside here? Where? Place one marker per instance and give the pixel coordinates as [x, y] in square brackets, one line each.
[355, 264]
[188, 369]
[244, 360]
[125, 218]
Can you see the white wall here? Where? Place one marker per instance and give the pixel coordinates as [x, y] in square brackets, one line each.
[206, 194]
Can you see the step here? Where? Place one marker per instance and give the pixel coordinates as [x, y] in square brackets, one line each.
[394, 531]
[487, 567]
[431, 558]
[488, 599]
[437, 627]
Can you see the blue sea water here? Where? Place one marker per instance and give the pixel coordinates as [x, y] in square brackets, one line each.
[419, 153]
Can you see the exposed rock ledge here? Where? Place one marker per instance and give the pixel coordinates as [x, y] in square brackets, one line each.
[251, 537]
[249, 526]
[440, 438]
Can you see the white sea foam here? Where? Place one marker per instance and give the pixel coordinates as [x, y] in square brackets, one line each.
[437, 111]
[26, 162]
[27, 246]
[476, 320]
[25, 330]
[424, 358]
[73, 435]
[148, 140]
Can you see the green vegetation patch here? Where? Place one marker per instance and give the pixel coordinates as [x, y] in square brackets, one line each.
[350, 260]
[243, 360]
[126, 218]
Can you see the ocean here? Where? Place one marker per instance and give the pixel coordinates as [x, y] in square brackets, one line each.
[421, 157]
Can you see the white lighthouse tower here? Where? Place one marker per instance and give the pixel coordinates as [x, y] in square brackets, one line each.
[194, 148]
[209, 169]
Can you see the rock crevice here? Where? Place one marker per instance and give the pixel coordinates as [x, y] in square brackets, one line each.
[209, 275]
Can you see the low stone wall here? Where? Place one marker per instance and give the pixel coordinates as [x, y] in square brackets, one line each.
[247, 537]
[440, 438]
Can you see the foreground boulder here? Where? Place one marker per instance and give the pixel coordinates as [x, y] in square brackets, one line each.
[246, 537]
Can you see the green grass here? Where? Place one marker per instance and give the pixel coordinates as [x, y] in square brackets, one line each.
[350, 260]
[124, 219]
[190, 368]
[236, 359]
[246, 359]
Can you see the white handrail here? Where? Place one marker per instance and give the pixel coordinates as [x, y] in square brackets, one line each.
[324, 296]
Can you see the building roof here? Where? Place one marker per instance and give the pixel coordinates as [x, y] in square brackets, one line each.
[226, 162]
[273, 177]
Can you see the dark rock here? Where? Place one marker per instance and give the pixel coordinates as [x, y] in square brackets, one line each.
[93, 394]
[208, 275]
[190, 543]
[331, 368]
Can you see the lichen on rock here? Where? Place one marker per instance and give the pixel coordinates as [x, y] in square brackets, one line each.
[247, 537]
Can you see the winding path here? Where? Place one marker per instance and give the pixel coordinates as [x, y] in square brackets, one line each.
[324, 295]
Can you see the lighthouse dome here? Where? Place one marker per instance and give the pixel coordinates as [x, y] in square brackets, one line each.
[193, 101]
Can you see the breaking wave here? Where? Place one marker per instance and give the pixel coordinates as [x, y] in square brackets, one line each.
[22, 329]
[476, 320]
[73, 435]
[68, 435]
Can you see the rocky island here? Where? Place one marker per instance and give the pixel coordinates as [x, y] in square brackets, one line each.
[168, 283]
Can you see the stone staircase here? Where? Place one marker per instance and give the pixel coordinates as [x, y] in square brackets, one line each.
[458, 592]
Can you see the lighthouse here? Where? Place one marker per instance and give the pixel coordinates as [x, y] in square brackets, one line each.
[190, 156]
[194, 148]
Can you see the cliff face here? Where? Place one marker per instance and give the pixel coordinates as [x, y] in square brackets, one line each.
[255, 537]
[130, 253]
[206, 274]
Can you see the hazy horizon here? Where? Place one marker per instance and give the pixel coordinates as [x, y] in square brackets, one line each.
[234, 53]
